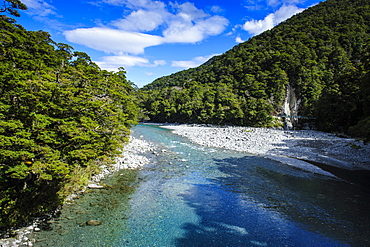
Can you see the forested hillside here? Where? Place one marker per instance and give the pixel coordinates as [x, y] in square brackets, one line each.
[61, 117]
[313, 68]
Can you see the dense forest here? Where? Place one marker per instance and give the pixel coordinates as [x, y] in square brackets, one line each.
[61, 117]
[312, 69]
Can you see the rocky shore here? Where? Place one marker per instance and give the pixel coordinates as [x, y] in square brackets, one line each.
[132, 158]
[293, 147]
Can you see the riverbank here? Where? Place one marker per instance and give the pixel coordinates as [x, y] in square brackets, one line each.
[293, 147]
[132, 158]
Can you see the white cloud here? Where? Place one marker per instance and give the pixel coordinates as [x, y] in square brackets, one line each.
[293, 1]
[115, 2]
[39, 8]
[195, 62]
[184, 24]
[239, 40]
[271, 20]
[159, 62]
[184, 64]
[140, 20]
[216, 9]
[253, 7]
[42, 11]
[257, 4]
[188, 32]
[112, 41]
[285, 12]
[188, 12]
[191, 25]
[259, 26]
[136, 4]
[112, 63]
[273, 2]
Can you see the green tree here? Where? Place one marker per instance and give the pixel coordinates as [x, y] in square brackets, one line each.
[12, 6]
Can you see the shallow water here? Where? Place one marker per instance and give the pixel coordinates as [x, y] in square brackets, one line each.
[195, 196]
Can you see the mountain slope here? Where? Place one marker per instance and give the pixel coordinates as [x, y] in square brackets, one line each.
[314, 65]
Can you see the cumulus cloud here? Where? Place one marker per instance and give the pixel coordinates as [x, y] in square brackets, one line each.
[112, 63]
[271, 20]
[140, 20]
[112, 41]
[286, 11]
[195, 62]
[188, 32]
[146, 15]
[239, 40]
[191, 25]
[188, 11]
[259, 26]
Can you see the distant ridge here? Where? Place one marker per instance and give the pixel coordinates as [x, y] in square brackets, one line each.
[315, 64]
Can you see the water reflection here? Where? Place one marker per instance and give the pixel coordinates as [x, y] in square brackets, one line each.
[276, 205]
[228, 219]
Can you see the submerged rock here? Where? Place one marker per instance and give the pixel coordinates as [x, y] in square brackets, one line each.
[95, 186]
[93, 222]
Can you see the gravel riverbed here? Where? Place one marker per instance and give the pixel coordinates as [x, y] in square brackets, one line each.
[287, 146]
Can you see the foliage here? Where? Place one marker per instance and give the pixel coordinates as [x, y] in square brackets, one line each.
[362, 129]
[322, 54]
[60, 115]
[11, 7]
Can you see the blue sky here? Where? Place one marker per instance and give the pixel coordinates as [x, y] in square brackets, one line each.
[150, 38]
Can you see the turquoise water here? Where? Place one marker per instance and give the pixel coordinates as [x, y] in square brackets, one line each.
[195, 196]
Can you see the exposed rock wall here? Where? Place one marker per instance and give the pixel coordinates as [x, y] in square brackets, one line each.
[290, 108]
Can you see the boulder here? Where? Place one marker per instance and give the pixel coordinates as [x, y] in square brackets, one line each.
[95, 186]
[93, 222]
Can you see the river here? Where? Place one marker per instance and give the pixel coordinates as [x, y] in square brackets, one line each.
[191, 195]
